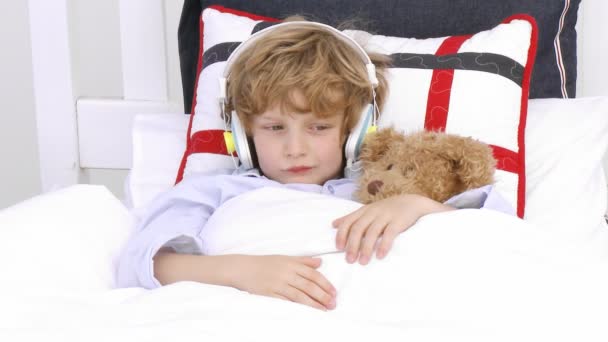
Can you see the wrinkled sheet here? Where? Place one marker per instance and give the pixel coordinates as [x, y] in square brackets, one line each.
[466, 275]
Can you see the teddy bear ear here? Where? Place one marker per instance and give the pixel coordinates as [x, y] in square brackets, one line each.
[377, 144]
[473, 161]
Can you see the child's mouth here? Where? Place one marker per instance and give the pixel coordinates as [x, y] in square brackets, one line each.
[299, 169]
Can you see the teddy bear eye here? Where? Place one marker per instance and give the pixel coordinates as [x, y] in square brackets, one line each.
[390, 166]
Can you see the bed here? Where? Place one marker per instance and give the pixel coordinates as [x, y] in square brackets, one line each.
[462, 276]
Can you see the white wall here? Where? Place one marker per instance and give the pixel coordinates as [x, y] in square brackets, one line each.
[591, 20]
[592, 66]
[19, 169]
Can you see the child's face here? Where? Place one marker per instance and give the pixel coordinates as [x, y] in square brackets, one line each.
[298, 148]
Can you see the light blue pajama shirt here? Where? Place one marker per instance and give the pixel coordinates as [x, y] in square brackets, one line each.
[175, 219]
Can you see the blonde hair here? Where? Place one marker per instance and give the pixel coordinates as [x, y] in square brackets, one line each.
[328, 73]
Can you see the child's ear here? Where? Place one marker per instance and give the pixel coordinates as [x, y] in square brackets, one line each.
[377, 144]
[472, 160]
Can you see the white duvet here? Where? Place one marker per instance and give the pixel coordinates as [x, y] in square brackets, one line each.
[465, 264]
[467, 275]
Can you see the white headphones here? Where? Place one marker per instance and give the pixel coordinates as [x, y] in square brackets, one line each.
[236, 139]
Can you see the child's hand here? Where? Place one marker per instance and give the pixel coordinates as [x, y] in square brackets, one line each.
[359, 231]
[291, 278]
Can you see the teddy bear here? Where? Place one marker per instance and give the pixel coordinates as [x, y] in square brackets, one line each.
[437, 165]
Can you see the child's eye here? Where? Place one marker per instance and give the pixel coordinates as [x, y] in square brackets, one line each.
[390, 166]
[274, 127]
[321, 127]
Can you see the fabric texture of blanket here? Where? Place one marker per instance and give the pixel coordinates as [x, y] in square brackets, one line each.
[466, 275]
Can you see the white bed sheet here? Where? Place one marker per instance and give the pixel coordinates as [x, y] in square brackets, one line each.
[188, 311]
[460, 276]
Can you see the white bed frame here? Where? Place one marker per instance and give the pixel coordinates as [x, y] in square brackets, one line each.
[95, 133]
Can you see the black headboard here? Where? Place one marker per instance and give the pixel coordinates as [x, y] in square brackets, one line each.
[416, 19]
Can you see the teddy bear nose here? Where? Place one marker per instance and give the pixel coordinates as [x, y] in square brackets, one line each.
[374, 186]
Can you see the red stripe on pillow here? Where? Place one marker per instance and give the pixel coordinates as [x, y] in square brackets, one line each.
[521, 186]
[506, 160]
[440, 89]
[199, 65]
[209, 141]
[242, 13]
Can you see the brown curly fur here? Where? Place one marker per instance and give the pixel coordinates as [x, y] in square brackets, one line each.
[433, 164]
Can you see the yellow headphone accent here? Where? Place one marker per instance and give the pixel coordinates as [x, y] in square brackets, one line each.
[229, 140]
[370, 130]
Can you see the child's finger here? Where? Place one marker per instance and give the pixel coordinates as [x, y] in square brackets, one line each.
[371, 237]
[341, 238]
[295, 295]
[316, 286]
[318, 278]
[336, 223]
[389, 235]
[309, 261]
[344, 228]
[340, 221]
[355, 235]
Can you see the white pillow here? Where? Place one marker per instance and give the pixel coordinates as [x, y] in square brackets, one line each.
[64, 241]
[156, 138]
[566, 140]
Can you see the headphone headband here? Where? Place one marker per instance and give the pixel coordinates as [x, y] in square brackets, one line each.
[371, 68]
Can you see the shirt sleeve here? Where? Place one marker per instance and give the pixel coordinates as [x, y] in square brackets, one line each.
[486, 197]
[174, 220]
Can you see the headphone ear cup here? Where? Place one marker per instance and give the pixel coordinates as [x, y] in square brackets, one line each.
[241, 144]
[229, 141]
[357, 135]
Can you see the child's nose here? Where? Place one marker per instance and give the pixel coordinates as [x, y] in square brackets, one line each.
[295, 145]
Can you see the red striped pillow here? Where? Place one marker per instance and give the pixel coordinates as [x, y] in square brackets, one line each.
[475, 85]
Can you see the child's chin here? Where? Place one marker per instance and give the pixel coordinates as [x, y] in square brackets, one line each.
[303, 180]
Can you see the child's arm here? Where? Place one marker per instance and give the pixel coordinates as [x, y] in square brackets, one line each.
[175, 219]
[386, 218]
[174, 222]
[290, 278]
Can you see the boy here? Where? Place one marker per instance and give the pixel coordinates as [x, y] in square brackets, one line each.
[299, 92]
